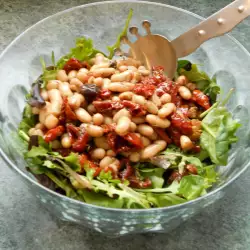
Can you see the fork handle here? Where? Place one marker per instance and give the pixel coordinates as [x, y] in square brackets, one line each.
[218, 24]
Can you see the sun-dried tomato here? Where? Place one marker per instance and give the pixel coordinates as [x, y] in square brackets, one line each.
[63, 151]
[158, 74]
[175, 135]
[79, 137]
[144, 89]
[67, 114]
[200, 98]
[129, 174]
[192, 169]
[124, 143]
[135, 109]
[84, 160]
[72, 64]
[163, 134]
[107, 106]
[53, 133]
[108, 128]
[134, 139]
[182, 123]
[177, 176]
[104, 94]
[117, 143]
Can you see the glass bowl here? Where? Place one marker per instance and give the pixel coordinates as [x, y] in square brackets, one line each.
[222, 57]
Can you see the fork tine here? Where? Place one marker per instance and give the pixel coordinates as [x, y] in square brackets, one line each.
[134, 31]
[146, 25]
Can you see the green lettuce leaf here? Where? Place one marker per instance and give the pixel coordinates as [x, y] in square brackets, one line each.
[73, 161]
[100, 199]
[154, 174]
[192, 187]
[164, 200]
[218, 134]
[122, 34]
[83, 51]
[28, 120]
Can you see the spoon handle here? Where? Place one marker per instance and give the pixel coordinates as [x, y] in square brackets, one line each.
[218, 24]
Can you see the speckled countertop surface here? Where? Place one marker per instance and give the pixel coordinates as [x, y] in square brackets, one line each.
[25, 225]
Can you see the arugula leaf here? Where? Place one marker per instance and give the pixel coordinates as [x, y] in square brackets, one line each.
[192, 186]
[202, 80]
[218, 134]
[122, 34]
[83, 51]
[164, 200]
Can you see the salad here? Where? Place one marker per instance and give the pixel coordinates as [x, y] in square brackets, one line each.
[107, 131]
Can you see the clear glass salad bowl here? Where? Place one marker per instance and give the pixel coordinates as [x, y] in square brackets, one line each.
[222, 57]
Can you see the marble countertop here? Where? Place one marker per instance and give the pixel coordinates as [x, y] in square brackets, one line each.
[25, 225]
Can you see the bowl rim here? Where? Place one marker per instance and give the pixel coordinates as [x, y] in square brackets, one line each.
[81, 203]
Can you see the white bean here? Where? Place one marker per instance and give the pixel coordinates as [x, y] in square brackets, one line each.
[138, 120]
[136, 77]
[91, 79]
[106, 161]
[121, 113]
[56, 101]
[83, 115]
[120, 86]
[103, 72]
[44, 95]
[126, 95]
[166, 110]
[66, 141]
[151, 107]
[108, 120]
[98, 119]
[134, 157]
[115, 98]
[182, 80]
[156, 121]
[82, 76]
[72, 74]
[144, 72]
[153, 149]
[139, 99]
[52, 84]
[185, 93]
[111, 153]
[122, 77]
[145, 141]
[101, 142]
[65, 89]
[98, 82]
[51, 121]
[75, 100]
[99, 58]
[165, 98]
[40, 126]
[62, 76]
[98, 154]
[76, 83]
[156, 100]
[132, 127]
[94, 131]
[99, 66]
[106, 83]
[91, 109]
[123, 68]
[145, 130]
[186, 143]
[123, 125]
